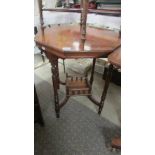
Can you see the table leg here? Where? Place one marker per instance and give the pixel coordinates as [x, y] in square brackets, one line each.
[81, 18]
[106, 86]
[55, 79]
[92, 72]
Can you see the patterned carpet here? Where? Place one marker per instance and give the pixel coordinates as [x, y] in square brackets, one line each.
[78, 131]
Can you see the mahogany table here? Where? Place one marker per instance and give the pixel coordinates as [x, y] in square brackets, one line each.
[64, 41]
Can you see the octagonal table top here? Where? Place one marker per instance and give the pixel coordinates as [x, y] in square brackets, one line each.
[65, 41]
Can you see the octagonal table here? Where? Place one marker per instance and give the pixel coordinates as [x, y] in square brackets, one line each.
[64, 41]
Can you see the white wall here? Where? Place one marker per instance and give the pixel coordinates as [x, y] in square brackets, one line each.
[46, 3]
[64, 17]
[50, 3]
[105, 21]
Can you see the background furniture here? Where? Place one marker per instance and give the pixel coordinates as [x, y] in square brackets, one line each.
[115, 63]
[116, 76]
[109, 4]
[114, 2]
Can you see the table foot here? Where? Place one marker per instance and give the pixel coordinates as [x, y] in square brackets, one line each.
[116, 143]
[58, 115]
[99, 111]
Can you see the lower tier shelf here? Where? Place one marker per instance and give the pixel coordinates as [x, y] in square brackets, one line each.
[77, 86]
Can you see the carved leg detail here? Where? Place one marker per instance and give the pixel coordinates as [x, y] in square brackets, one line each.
[55, 78]
[106, 86]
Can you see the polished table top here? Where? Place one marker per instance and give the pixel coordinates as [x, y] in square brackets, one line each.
[115, 57]
[64, 41]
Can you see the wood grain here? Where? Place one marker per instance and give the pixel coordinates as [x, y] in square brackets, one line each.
[115, 58]
[65, 41]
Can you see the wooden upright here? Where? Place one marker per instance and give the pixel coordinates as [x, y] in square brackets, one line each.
[40, 12]
[84, 6]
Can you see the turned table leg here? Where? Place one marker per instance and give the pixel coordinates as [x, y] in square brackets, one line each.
[106, 86]
[55, 79]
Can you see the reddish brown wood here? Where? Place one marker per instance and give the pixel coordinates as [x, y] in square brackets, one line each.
[77, 86]
[55, 78]
[65, 41]
[115, 58]
[71, 41]
[84, 19]
[81, 19]
[40, 12]
[92, 72]
[116, 143]
[106, 86]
